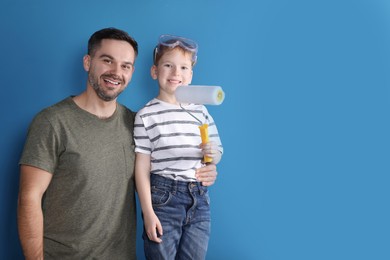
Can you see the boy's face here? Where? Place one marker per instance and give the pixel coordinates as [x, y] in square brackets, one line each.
[173, 69]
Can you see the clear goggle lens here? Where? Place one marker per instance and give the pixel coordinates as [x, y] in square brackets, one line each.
[172, 41]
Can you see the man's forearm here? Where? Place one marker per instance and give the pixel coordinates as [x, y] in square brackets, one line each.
[30, 225]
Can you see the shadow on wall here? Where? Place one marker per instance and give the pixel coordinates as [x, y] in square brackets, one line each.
[9, 194]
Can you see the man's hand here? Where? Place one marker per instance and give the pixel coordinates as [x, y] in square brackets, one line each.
[207, 174]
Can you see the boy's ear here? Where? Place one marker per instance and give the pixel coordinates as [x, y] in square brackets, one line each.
[153, 72]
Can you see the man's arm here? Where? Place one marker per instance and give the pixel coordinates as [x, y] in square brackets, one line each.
[33, 184]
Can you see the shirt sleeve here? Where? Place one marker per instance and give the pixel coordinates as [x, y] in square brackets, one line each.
[141, 138]
[42, 145]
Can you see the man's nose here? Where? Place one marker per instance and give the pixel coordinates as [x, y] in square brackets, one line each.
[115, 68]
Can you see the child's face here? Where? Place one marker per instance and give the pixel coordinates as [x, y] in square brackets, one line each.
[174, 69]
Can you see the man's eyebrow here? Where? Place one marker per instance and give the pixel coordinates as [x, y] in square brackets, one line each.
[112, 58]
[129, 63]
[106, 56]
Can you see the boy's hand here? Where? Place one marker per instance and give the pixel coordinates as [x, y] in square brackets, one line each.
[153, 227]
[210, 149]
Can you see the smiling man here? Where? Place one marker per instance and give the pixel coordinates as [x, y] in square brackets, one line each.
[76, 198]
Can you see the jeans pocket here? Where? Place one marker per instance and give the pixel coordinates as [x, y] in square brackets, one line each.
[204, 201]
[160, 197]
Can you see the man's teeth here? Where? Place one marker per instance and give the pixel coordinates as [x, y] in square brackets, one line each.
[112, 82]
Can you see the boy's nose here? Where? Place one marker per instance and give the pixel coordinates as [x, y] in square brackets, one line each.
[176, 71]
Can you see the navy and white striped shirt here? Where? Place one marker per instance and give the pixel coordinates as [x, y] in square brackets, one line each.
[170, 134]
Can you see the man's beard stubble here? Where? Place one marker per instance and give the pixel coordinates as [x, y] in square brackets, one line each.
[100, 91]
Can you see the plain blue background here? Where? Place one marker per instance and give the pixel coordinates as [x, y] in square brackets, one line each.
[305, 123]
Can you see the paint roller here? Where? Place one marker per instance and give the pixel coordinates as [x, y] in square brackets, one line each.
[202, 95]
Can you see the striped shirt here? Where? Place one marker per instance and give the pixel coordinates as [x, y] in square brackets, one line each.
[170, 134]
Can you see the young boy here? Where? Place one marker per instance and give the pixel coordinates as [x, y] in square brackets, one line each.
[175, 206]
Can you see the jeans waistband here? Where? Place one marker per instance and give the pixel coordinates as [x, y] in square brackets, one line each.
[184, 186]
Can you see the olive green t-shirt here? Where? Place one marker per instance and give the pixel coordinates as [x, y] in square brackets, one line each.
[89, 206]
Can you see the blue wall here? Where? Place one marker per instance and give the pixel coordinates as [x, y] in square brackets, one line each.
[305, 123]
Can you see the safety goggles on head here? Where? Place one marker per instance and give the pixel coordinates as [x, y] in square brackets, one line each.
[172, 41]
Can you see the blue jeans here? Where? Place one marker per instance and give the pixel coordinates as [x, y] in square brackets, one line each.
[183, 209]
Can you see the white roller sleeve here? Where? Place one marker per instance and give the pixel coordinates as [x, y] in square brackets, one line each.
[205, 95]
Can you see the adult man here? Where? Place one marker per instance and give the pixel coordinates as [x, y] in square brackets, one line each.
[76, 198]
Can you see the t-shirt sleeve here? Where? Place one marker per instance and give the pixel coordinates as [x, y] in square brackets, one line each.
[41, 146]
[141, 138]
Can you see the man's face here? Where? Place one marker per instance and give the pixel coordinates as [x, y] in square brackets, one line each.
[110, 68]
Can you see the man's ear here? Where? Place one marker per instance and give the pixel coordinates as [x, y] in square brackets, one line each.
[87, 62]
[153, 72]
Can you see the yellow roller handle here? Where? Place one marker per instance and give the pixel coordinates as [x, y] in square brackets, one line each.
[204, 134]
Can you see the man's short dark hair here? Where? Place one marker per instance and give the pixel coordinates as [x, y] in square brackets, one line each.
[95, 40]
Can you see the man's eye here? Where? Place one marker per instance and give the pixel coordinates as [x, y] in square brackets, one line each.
[107, 61]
